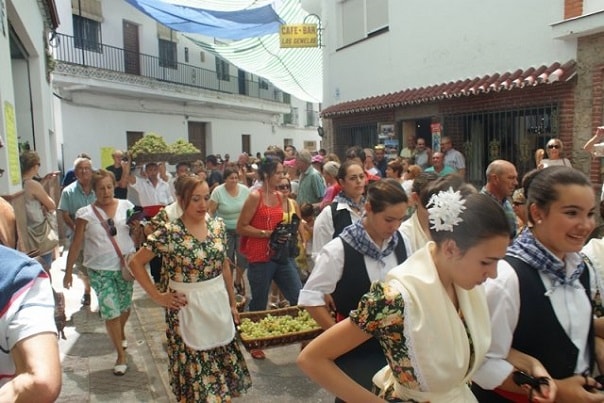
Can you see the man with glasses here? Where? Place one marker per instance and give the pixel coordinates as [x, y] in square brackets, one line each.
[73, 197]
[453, 158]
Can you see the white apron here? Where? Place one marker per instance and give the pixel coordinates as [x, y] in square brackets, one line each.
[206, 322]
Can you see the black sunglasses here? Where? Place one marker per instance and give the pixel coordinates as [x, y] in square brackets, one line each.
[556, 146]
[111, 225]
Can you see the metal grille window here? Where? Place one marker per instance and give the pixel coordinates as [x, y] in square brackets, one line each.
[167, 53]
[310, 115]
[362, 135]
[222, 70]
[87, 33]
[512, 135]
[291, 118]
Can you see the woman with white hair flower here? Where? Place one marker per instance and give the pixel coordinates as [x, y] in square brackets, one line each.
[428, 315]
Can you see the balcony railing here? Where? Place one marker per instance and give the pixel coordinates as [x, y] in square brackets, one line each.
[116, 59]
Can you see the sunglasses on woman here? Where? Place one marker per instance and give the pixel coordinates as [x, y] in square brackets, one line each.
[556, 146]
[111, 225]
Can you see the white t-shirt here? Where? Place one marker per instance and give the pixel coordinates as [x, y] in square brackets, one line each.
[99, 253]
[29, 312]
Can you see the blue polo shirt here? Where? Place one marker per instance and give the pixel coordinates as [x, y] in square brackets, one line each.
[73, 198]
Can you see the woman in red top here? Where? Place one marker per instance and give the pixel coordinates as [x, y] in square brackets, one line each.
[261, 213]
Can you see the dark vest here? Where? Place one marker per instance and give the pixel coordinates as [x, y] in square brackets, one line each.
[340, 218]
[365, 360]
[537, 317]
[354, 282]
[555, 350]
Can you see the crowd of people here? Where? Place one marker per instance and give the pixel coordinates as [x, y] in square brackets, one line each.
[426, 288]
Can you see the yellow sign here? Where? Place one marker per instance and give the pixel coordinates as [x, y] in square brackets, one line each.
[106, 156]
[298, 36]
[12, 143]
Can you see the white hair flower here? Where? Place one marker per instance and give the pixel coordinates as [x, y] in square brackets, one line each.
[444, 210]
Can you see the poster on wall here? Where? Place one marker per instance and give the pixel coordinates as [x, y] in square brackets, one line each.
[436, 130]
[12, 143]
[386, 137]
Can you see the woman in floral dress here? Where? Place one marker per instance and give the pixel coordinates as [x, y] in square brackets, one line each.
[429, 316]
[205, 362]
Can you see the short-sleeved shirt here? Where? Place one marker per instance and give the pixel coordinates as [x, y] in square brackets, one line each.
[150, 195]
[229, 207]
[99, 253]
[74, 198]
[311, 188]
[26, 305]
[455, 159]
[444, 172]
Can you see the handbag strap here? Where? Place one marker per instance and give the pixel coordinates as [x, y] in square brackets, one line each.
[111, 238]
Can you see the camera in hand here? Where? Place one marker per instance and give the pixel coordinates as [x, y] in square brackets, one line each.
[284, 241]
[522, 378]
[594, 388]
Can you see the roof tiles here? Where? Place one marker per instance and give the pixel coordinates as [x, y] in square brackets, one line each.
[479, 85]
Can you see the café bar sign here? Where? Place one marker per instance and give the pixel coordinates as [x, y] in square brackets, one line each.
[298, 36]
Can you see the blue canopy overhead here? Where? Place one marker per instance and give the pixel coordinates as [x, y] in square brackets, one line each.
[234, 25]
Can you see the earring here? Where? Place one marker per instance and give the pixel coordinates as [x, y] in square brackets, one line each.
[539, 221]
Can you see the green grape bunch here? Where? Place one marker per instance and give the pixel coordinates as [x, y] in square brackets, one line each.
[183, 147]
[151, 143]
[274, 326]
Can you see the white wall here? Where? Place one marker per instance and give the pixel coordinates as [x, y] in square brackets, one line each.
[591, 6]
[433, 42]
[102, 120]
[25, 17]
[88, 129]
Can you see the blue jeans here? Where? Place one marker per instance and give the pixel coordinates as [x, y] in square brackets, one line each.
[233, 252]
[260, 276]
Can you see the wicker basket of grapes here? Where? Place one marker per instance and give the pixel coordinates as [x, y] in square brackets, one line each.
[276, 327]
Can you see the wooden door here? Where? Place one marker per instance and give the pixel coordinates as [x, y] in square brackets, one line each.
[197, 136]
[131, 48]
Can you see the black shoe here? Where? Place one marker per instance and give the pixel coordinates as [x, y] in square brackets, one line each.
[85, 299]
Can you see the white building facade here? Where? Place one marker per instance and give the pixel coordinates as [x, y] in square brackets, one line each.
[119, 74]
[26, 117]
[500, 80]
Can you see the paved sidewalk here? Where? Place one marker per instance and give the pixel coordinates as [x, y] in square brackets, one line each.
[88, 358]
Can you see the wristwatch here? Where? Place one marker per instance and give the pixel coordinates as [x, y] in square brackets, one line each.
[263, 233]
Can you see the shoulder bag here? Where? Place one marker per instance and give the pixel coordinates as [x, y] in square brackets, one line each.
[44, 236]
[124, 259]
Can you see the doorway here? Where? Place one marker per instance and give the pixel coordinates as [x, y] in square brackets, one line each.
[131, 48]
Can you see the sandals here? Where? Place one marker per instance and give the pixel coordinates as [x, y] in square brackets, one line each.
[120, 369]
[257, 354]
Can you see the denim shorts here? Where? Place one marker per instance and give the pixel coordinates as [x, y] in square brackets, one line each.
[113, 292]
